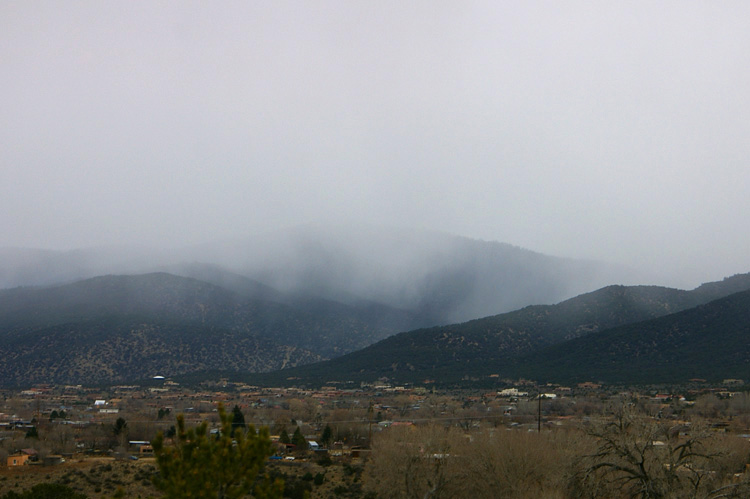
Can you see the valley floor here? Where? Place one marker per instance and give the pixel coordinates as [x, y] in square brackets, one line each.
[379, 438]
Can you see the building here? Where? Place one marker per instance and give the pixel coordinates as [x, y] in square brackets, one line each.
[18, 459]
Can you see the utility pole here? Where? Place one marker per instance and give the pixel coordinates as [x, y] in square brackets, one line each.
[539, 415]
[370, 411]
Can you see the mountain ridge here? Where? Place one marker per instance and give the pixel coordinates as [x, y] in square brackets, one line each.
[490, 345]
[334, 302]
[709, 341]
[273, 334]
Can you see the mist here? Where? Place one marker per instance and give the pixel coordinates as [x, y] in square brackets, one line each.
[608, 132]
[437, 278]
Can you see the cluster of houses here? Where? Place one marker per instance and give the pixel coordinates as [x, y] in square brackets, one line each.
[31, 456]
[385, 405]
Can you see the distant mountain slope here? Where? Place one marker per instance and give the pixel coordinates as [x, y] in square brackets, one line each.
[269, 334]
[712, 290]
[155, 294]
[438, 278]
[321, 326]
[711, 341]
[117, 349]
[38, 267]
[230, 281]
[491, 345]
[377, 315]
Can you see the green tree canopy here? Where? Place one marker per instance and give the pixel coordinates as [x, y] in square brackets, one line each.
[238, 419]
[201, 465]
[327, 436]
[284, 437]
[299, 440]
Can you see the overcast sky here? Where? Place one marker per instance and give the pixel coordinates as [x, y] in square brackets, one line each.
[610, 130]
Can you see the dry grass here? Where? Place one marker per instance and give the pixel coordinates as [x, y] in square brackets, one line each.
[94, 477]
[103, 477]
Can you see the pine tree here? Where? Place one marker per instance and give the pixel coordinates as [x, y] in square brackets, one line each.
[120, 431]
[327, 437]
[120, 427]
[299, 440]
[201, 465]
[284, 437]
[238, 419]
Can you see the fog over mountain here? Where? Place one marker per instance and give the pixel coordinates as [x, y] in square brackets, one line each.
[608, 131]
[442, 277]
[332, 299]
[462, 278]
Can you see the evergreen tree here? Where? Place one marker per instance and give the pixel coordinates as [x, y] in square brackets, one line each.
[238, 419]
[327, 437]
[120, 427]
[284, 437]
[120, 431]
[200, 465]
[299, 440]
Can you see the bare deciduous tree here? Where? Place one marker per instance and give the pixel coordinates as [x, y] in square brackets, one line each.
[435, 461]
[639, 456]
[416, 462]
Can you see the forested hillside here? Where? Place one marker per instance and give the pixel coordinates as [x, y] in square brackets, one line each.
[494, 345]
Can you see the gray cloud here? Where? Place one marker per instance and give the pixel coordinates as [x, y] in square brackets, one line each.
[599, 130]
